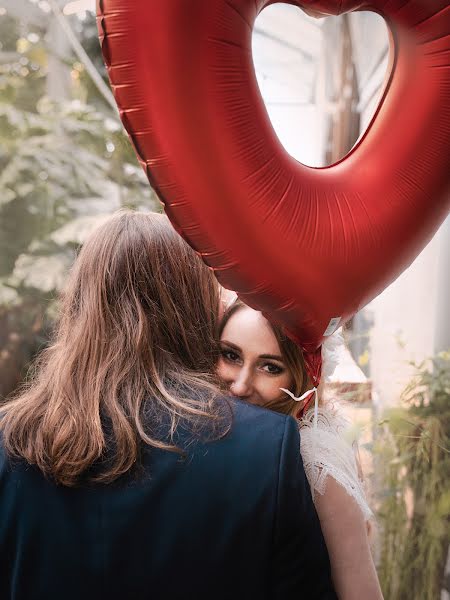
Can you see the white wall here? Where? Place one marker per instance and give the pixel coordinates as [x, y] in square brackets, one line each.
[406, 320]
[411, 318]
[286, 44]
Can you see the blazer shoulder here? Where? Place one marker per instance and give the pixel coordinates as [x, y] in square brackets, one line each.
[257, 426]
[244, 413]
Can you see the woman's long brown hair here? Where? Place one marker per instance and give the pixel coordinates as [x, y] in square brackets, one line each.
[134, 348]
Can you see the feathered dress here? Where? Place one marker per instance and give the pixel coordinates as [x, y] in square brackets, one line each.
[327, 444]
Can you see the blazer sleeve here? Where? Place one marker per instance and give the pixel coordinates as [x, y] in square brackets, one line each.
[301, 567]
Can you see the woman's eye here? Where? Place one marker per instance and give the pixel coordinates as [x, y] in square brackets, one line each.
[272, 369]
[229, 355]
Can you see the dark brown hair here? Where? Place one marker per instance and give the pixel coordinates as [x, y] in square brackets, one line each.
[292, 357]
[134, 345]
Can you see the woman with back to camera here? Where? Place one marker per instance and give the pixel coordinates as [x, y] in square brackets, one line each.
[124, 473]
[263, 366]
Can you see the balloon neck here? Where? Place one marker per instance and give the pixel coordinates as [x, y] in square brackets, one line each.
[313, 364]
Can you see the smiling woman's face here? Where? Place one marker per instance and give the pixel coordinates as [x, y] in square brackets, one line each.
[251, 362]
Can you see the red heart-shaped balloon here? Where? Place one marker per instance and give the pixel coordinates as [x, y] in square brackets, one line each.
[310, 246]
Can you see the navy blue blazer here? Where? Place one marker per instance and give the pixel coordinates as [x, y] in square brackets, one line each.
[232, 520]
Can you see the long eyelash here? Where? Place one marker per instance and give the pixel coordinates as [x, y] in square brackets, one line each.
[280, 370]
[224, 353]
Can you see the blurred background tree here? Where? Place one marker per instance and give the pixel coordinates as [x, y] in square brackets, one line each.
[65, 163]
[415, 508]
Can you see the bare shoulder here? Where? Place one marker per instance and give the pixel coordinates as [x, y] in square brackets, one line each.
[336, 504]
[345, 533]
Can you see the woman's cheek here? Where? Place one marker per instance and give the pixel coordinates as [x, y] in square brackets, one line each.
[225, 371]
[266, 387]
[286, 381]
[269, 387]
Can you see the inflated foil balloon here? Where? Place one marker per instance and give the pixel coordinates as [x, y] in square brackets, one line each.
[309, 246]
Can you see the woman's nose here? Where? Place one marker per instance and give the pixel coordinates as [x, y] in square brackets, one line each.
[241, 386]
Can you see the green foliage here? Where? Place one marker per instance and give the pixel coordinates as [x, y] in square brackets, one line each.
[88, 35]
[63, 166]
[415, 506]
[54, 158]
[23, 76]
[51, 163]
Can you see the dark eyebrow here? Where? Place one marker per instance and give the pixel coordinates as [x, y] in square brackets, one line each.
[231, 345]
[272, 357]
[265, 356]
